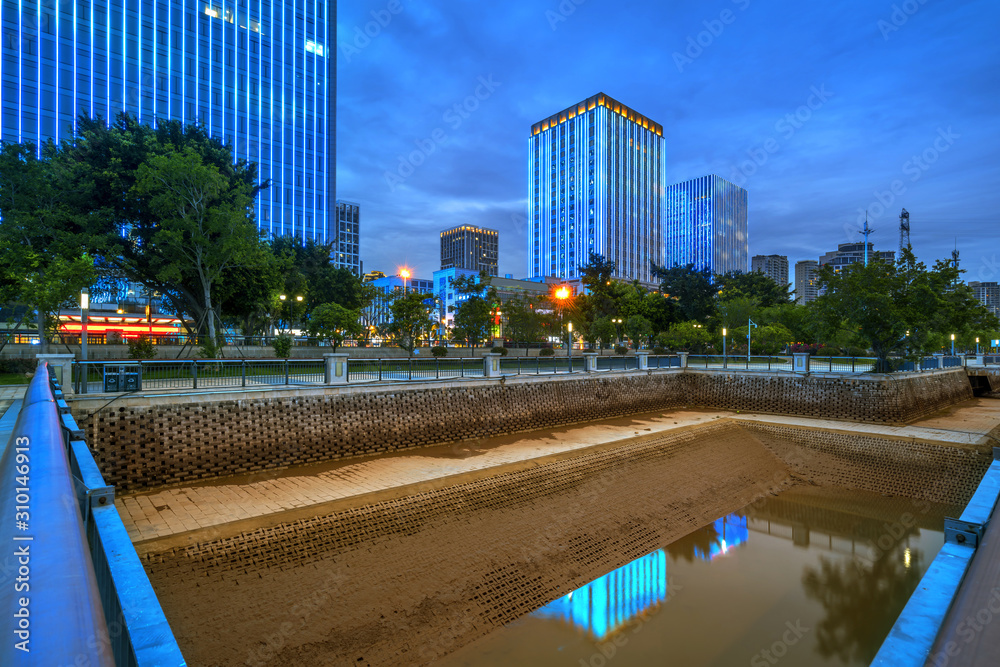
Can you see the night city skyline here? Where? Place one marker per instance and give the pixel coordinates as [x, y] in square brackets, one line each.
[818, 112]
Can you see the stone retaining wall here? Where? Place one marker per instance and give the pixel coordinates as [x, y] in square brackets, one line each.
[146, 441]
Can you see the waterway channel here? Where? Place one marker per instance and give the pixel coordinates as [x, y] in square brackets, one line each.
[810, 577]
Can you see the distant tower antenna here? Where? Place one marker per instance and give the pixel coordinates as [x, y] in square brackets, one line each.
[867, 231]
[904, 231]
[954, 253]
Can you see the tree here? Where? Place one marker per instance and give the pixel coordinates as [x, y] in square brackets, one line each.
[899, 308]
[118, 226]
[523, 323]
[639, 329]
[736, 310]
[691, 290]
[687, 336]
[753, 285]
[333, 322]
[203, 221]
[602, 333]
[473, 321]
[410, 319]
[43, 264]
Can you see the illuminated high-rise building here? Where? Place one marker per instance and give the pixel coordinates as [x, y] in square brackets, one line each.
[595, 175]
[346, 237]
[260, 76]
[471, 247]
[705, 224]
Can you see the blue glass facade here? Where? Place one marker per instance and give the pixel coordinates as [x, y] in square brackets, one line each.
[705, 224]
[595, 174]
[259, 75]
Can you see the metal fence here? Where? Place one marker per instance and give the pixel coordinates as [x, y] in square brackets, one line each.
[540, 365]
[378, 370]
[89, 591]
[119, 376]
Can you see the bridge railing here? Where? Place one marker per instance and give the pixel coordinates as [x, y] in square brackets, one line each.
[87, 599]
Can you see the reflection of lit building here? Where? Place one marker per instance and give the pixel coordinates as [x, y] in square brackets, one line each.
[731, 531]
[609, 602]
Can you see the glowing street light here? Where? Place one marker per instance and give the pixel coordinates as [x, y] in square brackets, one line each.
[953, 345]
[404, 273]
[724, 347]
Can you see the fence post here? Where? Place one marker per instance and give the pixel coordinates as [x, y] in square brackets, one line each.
[335, 368]
[491, 365]
[194, 374]
[800, 362]
[379, 369]
[243, 372]
[683, 356]
[642, 360]
[437, 368]
[409, 368]
[286, 371]
[589, 362]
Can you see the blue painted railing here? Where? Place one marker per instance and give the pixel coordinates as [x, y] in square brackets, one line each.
[78, 593]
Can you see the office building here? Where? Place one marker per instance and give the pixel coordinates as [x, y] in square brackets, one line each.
[345, 238]
[988, 294]
[470, 247]
[774, 267]
[595, 175]
[448, 300]
[705, 224]
[853, 253]
[806, 281]
[260, 76]
[378, 314]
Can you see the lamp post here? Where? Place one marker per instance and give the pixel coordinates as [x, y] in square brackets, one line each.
[953, 345]
[84, 314]
[299, 299]
[283, 297]
[977, 346]
[561, 295]
[569, 341]
[404, 274]
[618, 330]
[724, 364]
[750, 323]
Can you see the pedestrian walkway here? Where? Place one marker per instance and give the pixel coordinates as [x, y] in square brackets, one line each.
[233, 504]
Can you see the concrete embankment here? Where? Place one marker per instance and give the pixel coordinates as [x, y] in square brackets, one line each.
[405, 579]
[147, 441]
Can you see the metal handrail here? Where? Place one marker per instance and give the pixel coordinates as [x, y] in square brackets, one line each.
[81, 568]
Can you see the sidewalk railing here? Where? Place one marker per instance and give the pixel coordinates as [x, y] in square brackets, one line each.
[197, 374]
[89, 600]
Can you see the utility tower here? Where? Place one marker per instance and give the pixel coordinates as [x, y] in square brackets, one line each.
[904, 231]
[867, 231]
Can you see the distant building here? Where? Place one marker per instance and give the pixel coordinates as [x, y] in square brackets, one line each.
[705, 224]
[345, 233]
[852, 253]
[806, 282]
[595, 178]
[507, 288]
[774, 267]
[372, 275]
[988, 294]
[470, 247]
[378, 314]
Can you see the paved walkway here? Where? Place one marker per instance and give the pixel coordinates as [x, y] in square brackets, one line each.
[233, 504]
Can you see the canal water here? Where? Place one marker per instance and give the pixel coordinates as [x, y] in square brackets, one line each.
[810, 577]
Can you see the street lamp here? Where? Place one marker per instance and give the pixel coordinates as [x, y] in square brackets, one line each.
[750, 323]
[404, 274]
[569, 341]
[562, 294]
[953, 345]
[84, 314]
[618, 332]
[283, 297]
[724, 365]
[977, 346]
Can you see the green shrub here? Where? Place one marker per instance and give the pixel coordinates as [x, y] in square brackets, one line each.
[208, 348]
[17, 366]
[141, 348]
[282, 346]
[502, 351]
[439, 351]
[620, 349]
[546, 352]
[659, 351]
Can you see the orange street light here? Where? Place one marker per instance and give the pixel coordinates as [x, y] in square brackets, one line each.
[404, 273]
[562, 293]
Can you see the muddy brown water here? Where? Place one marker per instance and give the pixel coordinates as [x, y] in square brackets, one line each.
[810, 577]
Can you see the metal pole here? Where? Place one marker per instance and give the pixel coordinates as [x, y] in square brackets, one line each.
[724, 364]
[84, 315]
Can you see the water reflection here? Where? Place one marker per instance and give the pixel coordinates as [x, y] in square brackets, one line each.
[861, 600]
[610, 602]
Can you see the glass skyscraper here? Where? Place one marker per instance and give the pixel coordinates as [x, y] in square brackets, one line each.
[346, 237]
[595, 174]
[261, 76]
[705, 224]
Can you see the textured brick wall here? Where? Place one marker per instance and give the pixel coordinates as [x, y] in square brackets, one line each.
[142, 442]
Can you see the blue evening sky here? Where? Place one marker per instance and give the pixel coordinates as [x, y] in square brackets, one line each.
[904, 109]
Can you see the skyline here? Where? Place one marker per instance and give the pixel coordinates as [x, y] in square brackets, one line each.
[435, 109]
